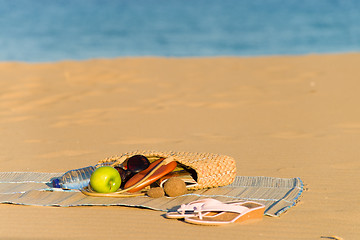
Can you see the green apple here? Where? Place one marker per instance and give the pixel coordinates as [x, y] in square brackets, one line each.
[105, 179]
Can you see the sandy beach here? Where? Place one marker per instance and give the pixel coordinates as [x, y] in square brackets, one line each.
[286, 116]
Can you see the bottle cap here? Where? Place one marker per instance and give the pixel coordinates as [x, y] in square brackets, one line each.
[56, 183]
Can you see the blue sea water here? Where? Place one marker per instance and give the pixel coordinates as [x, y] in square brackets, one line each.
[53, 30]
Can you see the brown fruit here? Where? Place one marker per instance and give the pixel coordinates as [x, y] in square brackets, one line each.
[175, 187]
[156, 192]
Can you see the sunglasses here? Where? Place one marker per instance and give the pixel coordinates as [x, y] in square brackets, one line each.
[134, 164]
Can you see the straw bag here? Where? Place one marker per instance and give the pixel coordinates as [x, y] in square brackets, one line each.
[207, 169]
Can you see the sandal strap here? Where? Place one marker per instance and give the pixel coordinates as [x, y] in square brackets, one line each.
[202, 202]
[220, 208]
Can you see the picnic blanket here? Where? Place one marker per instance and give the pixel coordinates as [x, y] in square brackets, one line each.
[34, 188]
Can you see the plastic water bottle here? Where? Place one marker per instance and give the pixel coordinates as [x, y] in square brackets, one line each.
[74, 179]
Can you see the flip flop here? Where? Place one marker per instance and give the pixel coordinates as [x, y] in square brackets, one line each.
[190, 209]
[226, 213]
[187, 210]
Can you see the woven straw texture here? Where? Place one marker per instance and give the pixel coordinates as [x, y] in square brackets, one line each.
[212, 170]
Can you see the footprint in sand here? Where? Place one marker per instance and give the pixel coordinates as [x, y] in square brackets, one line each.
[14, 119]
[33, 141]
[40, 102]
[65, 153]
[93, 116]
[353, 165]
[146, 141]
[291, 135]
[212, 137]
[349, 127]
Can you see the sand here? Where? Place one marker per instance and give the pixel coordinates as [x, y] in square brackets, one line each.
[293, 116]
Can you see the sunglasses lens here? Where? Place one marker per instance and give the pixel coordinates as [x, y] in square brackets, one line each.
[137, 163]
